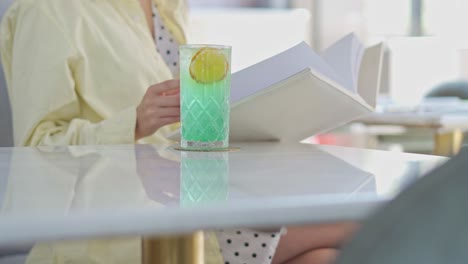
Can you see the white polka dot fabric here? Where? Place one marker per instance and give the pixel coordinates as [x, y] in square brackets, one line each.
[247, 246]
[166, 45]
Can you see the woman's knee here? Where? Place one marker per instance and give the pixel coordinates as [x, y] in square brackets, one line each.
[318, 256]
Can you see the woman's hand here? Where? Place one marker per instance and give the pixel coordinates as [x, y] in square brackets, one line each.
[160, 106]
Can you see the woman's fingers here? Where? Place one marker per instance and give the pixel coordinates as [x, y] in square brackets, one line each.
[160, 106]
[167, 101]
[168, 120]
[165, 87]
[172, 92]
[168, 112]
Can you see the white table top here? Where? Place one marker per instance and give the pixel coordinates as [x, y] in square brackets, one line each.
[441, 122]
[442, 114]
[93, 191]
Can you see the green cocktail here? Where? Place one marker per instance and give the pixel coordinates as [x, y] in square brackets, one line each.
[205, 80]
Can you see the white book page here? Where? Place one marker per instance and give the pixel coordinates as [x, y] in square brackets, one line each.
[278, 68]
[370, 73]
[345, 56]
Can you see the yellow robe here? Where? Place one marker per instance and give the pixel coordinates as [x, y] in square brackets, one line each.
[76, 70]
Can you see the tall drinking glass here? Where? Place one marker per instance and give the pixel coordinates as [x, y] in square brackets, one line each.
[205, 80]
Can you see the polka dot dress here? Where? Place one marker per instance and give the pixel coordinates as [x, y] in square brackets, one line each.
[166, 44]
[242, 246]
[248, 246]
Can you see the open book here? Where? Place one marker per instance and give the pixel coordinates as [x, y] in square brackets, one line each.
[299, 93]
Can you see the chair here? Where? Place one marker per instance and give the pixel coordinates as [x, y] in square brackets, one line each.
[457, 89]
[6, 130]
[450, 89]
[7, 255]
[426, 223]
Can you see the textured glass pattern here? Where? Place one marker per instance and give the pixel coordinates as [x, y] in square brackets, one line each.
[204, 177]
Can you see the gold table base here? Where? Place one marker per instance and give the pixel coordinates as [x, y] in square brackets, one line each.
[187, 249]
[448, 144]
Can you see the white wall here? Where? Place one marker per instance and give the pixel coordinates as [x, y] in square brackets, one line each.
[420, 63]
[463, 63]
[338, 18]
[255, 34]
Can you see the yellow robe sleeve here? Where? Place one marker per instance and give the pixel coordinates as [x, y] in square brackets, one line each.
[45, 104]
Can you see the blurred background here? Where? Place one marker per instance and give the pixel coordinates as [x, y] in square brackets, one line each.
[427, 44]
[426, 38]
[427, 51]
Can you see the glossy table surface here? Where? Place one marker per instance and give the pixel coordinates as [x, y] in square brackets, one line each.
[76, 192]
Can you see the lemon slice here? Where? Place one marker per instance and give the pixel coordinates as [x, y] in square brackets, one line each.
[209, 65]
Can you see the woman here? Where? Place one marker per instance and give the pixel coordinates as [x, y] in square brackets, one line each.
[101, 72]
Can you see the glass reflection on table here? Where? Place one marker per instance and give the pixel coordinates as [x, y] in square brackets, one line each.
[204, 177]
[81, 179]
